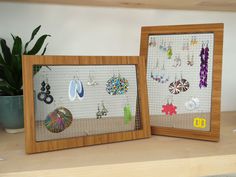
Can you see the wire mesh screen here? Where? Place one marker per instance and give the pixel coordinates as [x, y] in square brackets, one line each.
[179, 77]
[72, 101]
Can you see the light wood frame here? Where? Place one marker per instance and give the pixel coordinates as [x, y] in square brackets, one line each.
[217, 29]
[32, 146]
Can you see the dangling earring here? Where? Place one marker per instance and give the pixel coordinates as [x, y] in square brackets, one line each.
[175, 87]
[91, 81]
[155, 73]
[184, 84]
[72, 89]
[169, 108]
[117, 85]
[204, 66]
[99, 113]
[163, 75]
[49, 98]
[42, 94]
[45, 94]
[169, 51]
[127, 112]
[104, 110]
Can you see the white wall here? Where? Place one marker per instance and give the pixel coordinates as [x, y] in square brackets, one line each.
[112, 31]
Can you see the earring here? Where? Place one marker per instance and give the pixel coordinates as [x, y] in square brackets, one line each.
[155, 73]
[104, 110]
[177, 62]
[204, 54]
[169, 51]
[184, 84]
[175, 87]
[127, 112]
[49, 98]
[117, 85]
[163, 76]
[80, 90]
[45, 94]
[58, 120]
[91, 81]
[42, 94]
[190, 62]
[169, 108]
[99, 113]
[72, 89]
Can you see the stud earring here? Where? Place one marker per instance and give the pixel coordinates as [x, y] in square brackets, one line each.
[99, 113]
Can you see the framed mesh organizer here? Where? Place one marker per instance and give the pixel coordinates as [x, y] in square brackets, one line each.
[80, 101]
[184, 79]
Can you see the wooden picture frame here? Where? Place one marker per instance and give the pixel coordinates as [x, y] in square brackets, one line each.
[217, 30]
[33, 146]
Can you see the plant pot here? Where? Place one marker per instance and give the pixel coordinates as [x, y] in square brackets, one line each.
[11, 113]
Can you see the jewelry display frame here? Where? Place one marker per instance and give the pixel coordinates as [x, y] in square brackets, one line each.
[217, 29]
[33, 146]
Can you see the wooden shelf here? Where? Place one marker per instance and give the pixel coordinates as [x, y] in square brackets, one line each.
[216, 5]
[157, 155]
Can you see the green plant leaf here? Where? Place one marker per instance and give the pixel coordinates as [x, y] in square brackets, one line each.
[7, 72]
[38, 45]
[17, 46]
[5, 51]
[2, 61]
[44, 50]
[32, 37]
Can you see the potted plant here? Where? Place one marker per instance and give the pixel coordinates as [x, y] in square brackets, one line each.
[11, 93]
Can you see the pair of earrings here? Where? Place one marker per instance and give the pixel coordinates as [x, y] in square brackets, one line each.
[152, 42]
[192, 104]
[76, 89]
[117, 85]
[102, 112]
[190, 62]
[181, 85]
[169, 108]
[193, 41]
[45, 94]
[185, 45]
[177, 62]
[204, 54]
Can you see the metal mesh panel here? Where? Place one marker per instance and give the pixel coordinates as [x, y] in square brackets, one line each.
[84, 110]
[183, 64]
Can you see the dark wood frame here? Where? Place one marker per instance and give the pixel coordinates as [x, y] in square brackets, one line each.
[32, 146]
[217, 29]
